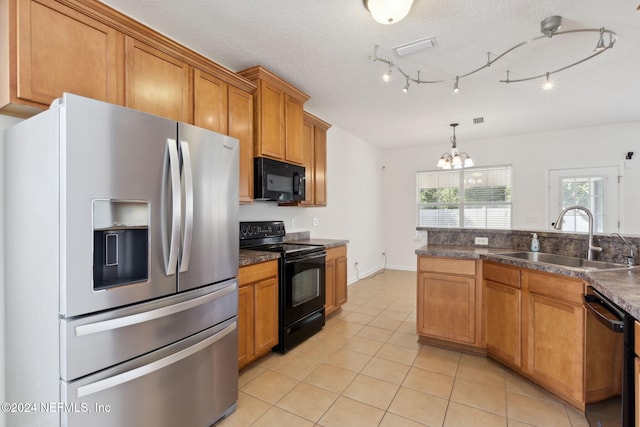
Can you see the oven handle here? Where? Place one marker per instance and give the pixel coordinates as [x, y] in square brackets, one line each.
[307, 257]
[614, 325]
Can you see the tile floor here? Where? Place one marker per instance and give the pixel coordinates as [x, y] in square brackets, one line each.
[366, 368]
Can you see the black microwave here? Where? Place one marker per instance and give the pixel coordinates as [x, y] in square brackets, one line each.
[279, 181]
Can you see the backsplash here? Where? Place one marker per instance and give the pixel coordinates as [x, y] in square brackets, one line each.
[613, 248]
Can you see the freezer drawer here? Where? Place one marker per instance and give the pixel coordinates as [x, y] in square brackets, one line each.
[191, 383]
[92, 343]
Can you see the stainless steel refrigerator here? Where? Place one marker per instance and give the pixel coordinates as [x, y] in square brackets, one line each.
[121, 234]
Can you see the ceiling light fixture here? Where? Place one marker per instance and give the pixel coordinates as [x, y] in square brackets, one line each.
[454, 159]
[549, 27]
[388, 11]
[405, 89]
[387, 76]
[548, 84]
[456, 89]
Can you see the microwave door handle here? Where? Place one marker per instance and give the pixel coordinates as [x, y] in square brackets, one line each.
[187, 175]
[174, 230]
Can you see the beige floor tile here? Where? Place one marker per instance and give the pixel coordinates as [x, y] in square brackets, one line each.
[480, 396]
[392, 420]
[405, 340]
[390, 324]
[348, 359]
[395, 315]
[435, 362]
[371, 391]
[442, 351]
[386, 370]
[429, 382]
[419, 407]
[307, 401]
[516, 383]
[398, 353]
[460, 415]
[370, 310]
[408, 327]
[347, 412]
[536, 412]
[359, 318]
[278, 417]
[248, 410]
[375, 333]
[298, 366]
[479, 375]
[482, 363]
[249, 373]
[330, 377]
[270, 386]
[345, 326]
[515, 423]
[363, 345]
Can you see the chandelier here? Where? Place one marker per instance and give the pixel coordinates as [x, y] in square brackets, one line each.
[549, 28]
[454, 159]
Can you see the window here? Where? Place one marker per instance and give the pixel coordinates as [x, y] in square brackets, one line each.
[465, 198]
[594, 188]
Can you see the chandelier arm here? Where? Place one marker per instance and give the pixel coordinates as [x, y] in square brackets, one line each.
[612, 41]
[525, 79]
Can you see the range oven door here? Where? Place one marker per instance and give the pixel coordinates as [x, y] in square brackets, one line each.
[304, 286]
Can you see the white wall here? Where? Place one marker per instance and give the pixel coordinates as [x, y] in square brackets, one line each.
[5, 122]
[353, 211]
[531, 156]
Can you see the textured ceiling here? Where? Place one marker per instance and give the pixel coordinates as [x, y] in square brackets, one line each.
[323, 48]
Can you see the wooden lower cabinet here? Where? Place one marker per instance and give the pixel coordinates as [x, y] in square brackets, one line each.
[335, 279]
[257, 311]
[449, 301]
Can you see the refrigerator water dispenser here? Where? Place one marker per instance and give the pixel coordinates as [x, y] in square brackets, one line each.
[120, 243]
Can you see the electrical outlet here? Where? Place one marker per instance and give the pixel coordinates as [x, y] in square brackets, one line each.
[293, 222]
[314, 221]
[481, 240]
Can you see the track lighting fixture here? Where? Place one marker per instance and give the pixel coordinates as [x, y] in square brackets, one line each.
[550, 29]
[454, 159]
[405, 89]
[387, 76]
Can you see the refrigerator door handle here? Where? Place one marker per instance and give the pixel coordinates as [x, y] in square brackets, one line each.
[187, 176]
[174, 175]
[133, 374]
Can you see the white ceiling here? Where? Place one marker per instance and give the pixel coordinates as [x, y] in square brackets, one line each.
[323, 48]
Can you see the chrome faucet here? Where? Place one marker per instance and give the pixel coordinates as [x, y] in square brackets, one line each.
[630, 259]
[558, 226]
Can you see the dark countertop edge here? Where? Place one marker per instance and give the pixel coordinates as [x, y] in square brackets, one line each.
[249, 257]
[620, 286]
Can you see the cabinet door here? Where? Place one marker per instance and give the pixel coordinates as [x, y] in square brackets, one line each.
[330, 287]
[157, 83]
[502, 322]
[210, 100]
[266, 315]
[446, 307]
[556, 345]
[245, 325]
[341, 281]
[308, 163]
[294, 111]
[320, 166]
[271, 122]
[61, 50]
[241, 127]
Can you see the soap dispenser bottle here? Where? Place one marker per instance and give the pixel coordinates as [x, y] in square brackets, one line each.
[535, 243]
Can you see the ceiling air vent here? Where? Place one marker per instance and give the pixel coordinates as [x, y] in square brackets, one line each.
[478, 120]
[415, 46]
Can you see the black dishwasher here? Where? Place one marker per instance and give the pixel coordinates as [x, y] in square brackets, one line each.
[618, 322]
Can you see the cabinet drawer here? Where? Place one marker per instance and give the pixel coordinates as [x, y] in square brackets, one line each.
[499, 273]
[447, 265]
[255, 272]
[557, 287]
[337, 252]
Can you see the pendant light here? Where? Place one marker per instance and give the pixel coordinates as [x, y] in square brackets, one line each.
[388, 11]
[454, 159]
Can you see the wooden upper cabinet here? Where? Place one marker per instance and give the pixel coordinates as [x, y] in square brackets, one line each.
[314, 159]
[294, 111]
[210, 102]
[157, 82]
[54, 49]
[278, 116]
[241, 127]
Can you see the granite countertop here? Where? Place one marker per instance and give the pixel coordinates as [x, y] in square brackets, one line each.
[620, 286]
[249, 256]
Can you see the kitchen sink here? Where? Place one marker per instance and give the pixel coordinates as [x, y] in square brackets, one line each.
[565, 261]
